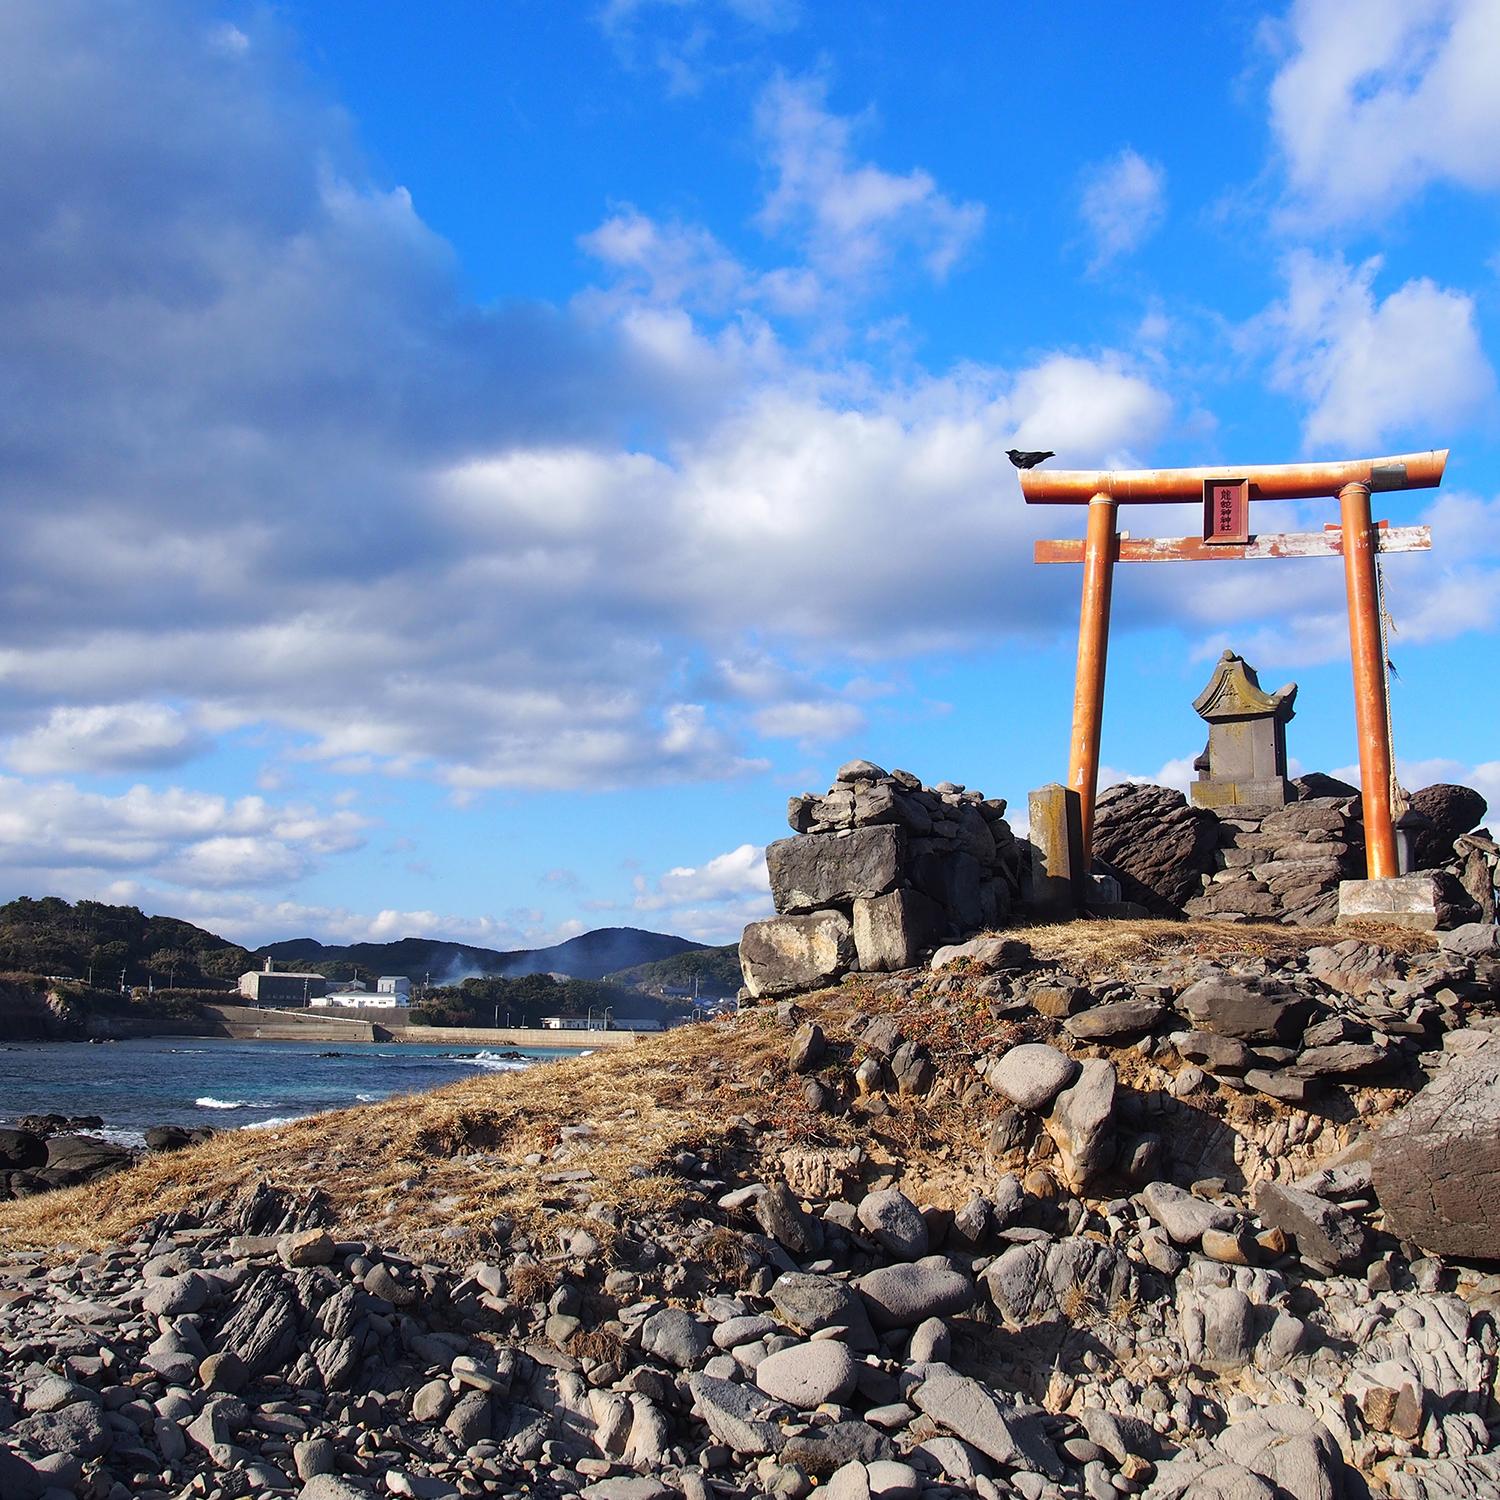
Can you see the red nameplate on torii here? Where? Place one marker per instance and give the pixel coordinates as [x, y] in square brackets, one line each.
[1226, 511]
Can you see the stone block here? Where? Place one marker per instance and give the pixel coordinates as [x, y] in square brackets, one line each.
[822, 870]
[891, 931]
[786, 955]
[1055, 889]
[1400, 900]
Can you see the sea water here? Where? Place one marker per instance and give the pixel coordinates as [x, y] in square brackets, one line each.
[194, 1081]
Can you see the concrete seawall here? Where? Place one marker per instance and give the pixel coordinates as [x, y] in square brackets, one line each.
[527, 1037]
[249, 1023]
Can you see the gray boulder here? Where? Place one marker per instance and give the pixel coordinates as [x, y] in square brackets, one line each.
[734, 1414]
[893, 930]
[1032, 1075]
[1183, 1216]
[1009, 1434]
[895, 1223]
[806, 1375]
[1081, 1123]
[79, 1429]
[811, 1303]
[1249, 1010]
[812, 871]
[1323, 1231]
[787, 955]
[904, 1295]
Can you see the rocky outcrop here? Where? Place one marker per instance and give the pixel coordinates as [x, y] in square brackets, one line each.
[1447, 812]
[1282, 865]
[1159, 848]
[1436, 1165]
[902, 866]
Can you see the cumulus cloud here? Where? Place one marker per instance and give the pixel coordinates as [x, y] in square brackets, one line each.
[53, 835]
[713, 901]
[1377, 99]
[106, 737]
[1373, 369]
[321, 492]
[809, 722]
[1122, 204]
[690, 41]
[852, 216]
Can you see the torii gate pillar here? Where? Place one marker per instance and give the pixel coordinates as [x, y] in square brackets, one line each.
[1226, 535]
[1093, 652]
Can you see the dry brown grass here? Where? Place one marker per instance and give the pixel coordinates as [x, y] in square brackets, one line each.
[1101, 948]
[402, 1170]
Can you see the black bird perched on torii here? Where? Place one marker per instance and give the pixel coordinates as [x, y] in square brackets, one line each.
[1027, 460]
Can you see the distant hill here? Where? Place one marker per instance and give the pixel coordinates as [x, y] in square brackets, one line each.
[590, 955]
[48, 935]
[715, 970]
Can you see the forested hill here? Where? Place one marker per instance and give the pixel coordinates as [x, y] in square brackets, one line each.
[711, 973]
[52, 936]
[590, 955]
[48, 935]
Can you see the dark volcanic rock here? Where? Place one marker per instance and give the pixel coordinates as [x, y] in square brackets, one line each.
[20, 1150]
[1158, 846]
[1450, 811]
[72, 1159]
[809, 873]
[1323, 1231]
[1436, 1164]
[1245, 1009]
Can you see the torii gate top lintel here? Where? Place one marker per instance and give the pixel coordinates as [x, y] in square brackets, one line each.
[1225, 493]
[1401, 471]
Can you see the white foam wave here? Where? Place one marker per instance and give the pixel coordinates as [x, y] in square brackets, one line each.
[369, 1098]
[118, 1136]
[207, 1101]
[493, 1063]
[274, 1121]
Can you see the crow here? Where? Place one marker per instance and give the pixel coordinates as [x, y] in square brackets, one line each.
[1027, 460]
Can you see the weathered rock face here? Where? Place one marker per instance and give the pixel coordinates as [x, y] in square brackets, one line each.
[1282, 865]
[1436, 1164]
[811, 873]
[908, 866]
[1450, 811]
[785, 955]
[1159, 846]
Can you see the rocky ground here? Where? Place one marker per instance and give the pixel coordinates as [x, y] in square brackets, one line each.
[1143, 1215]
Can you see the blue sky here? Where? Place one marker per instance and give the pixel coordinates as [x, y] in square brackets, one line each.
[464, 466]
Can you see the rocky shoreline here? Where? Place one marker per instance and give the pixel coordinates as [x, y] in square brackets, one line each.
[1194, 1229]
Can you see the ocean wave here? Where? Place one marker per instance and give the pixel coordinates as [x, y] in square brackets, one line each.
[207, 1101]
[118, 1136]
[274, 1121]
[369, 1098]
[492, 1062]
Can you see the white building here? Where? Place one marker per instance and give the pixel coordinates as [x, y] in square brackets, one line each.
[396, 986]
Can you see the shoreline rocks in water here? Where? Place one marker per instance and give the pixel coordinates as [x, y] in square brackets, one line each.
[955, 1239]
[45, 1152]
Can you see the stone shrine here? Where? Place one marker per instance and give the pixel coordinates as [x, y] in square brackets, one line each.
[1244, 763]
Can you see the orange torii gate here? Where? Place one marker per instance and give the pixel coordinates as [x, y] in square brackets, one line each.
[1226, 495]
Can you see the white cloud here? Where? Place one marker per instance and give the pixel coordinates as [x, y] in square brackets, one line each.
[1177, 773]
[328, 500]
[1122, 204]
[852, 216]
[53, 833]
[107, 737]
[1409, 365]
[1379, 98]
[711, 902]
[1484, 778]
[808, 722]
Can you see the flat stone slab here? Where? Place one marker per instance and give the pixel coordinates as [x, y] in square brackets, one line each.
[830, 869]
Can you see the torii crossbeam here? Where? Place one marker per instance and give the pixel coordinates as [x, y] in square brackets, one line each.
[1226, 495]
